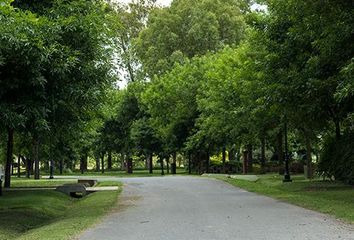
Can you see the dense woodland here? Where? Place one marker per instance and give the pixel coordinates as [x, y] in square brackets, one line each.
[213, 85]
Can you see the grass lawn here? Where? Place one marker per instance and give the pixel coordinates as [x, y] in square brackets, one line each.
[119, 173]
[47, 214]
[334, 198]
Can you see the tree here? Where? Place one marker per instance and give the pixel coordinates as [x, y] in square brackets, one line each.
[131, 20]
[24, 56]
[309, 43]
[63, 64]
[187, 29]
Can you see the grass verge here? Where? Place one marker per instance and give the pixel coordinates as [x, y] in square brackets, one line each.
[46, 214]
[333, 198]
[40, 183]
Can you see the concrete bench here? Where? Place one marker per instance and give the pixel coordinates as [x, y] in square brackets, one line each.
[73, 190]
[87, 182]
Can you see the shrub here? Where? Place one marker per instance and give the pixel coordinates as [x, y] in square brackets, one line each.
[337, 158]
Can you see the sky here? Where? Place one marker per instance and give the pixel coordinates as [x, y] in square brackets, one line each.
[160, 2]
[168, 2]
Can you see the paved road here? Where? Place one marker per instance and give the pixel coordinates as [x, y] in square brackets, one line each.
[181, 208]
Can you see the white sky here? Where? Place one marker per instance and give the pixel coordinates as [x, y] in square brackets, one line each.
[168, 2]
[160, 2]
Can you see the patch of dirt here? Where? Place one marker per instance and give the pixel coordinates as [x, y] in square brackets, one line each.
[125, 202]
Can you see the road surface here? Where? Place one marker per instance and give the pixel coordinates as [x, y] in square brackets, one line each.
[193, 208]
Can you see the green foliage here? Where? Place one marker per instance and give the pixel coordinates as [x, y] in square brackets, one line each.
[337, 159]
[218, 76]
[23, 56]
[130, 21]
[307, 55]
[171, 102]
[187, 29]
[143, 137]
[229, 99]
[55, 68]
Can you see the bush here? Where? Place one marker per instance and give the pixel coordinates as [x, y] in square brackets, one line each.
[337, 158]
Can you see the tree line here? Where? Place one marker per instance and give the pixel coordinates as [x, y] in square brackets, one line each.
[206, 78]
[219, 77]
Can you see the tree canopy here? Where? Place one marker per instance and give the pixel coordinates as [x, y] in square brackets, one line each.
[209, 81]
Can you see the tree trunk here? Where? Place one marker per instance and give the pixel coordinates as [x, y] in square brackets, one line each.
[189, 163]
[27, 164]
[51, 168]
[61, 166]
[109, 161]
[250, 157]
[82, 160]
[263, 157]
[9, 153]
[161, 164]
[97, 159]
[12, 168]
[280, 153]
[168, 164]
[147, 162]
[129, 165]
[128, 63]
[336, 120]
[102, 163]
[150, 163]
[232, 152]
[245, 162]
[223, 160]
[32, 166]
[35, 157]
[308, 157]
[199, 162]
[85, 162]
[19, 166]
[122, 165]
[174, 163]
[208, 161]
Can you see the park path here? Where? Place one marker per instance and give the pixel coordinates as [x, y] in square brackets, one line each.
[193, 208]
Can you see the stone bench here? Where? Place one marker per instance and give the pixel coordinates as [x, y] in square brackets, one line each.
[73, 190]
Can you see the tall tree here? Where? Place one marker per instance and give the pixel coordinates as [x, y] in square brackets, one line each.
[131, 20]
[187, 29]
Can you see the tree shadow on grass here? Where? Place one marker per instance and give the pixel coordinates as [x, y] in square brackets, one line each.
[18, 221]
[21, 211]
[45, 214]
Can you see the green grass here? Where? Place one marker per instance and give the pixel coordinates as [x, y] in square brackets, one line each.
[47, 214]
[109, 184]
[334, 198]
[45, 183]
[119, 173]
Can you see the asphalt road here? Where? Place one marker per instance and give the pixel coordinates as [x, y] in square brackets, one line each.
[193, 208]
